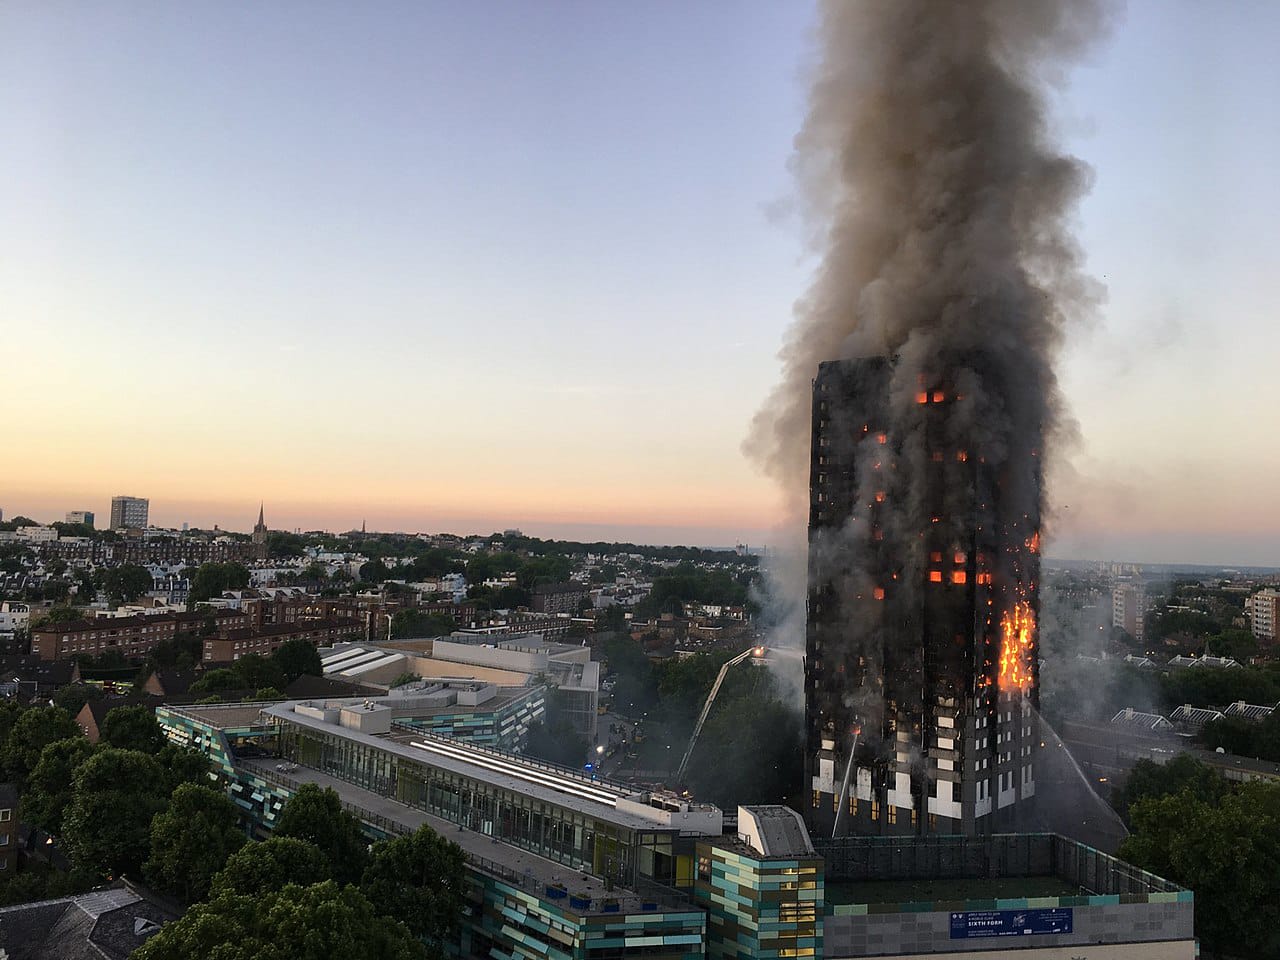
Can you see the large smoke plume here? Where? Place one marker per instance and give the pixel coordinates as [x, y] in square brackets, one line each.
[940, 208]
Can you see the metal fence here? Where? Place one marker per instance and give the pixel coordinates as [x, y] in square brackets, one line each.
[869, 859]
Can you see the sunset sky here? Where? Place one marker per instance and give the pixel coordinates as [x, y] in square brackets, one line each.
[467, 266]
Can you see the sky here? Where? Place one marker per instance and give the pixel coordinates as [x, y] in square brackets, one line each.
[443, 266]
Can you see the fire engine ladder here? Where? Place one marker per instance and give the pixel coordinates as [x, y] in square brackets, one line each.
[706, 707]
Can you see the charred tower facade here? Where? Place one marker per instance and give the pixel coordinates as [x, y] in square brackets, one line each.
[920, 666]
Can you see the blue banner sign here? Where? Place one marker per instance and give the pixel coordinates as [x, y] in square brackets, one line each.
[1009, 923]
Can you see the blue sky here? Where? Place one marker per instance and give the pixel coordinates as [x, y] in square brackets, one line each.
[446, 265]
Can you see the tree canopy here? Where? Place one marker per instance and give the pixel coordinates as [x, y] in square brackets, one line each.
[259, 868]
[316, 816]
[296, 657]
[125, 583]
[212, 578]
[1227, 851]
[32, 731]
[132, 728]
[191, 840]
[294, 923]
[419, 880]
[50, 784]
[107, 824]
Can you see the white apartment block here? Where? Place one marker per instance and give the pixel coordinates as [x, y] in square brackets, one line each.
[1264, 614]
[1128, 608]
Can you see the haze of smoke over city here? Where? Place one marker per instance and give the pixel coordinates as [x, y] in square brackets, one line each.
[941, 207]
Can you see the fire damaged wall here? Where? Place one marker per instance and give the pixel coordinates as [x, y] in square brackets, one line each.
[920, 661]
[919, 396]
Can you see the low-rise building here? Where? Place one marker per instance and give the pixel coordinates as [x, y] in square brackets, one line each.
[566, 865]
[133, 636]
[37, 534]
[1193, 719]
[233, 644]
[565, 597]
[15, 616]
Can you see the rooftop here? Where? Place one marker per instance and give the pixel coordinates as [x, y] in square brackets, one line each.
[224, 716]
[520, 867]
[608, 801]
[774, 831]
[1129, 717]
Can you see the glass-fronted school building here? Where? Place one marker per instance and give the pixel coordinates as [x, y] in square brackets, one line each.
[563, 866]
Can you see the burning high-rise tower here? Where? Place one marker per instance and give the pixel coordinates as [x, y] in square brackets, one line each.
[920, 667]
[919, 391]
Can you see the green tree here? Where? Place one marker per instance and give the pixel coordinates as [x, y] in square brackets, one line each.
[86, 591]
[184, 765]
[281, 544]
[316, 816]
[750, 751]
[553, 568]
[261, 868]
[50, 784]
[191, 840]
[63, 614]
[73, 697]
[636, 685]
[1245, 738]
[1227, 852]
[125, 583]
[216, 681]
[254, 670]
[314, 571]
[418, 880]
[211, 579]
[375, 571]
[34, 730]
[296, 657]
[1149, 780]
[416, 623]
[133, 728]
[114, 795]
[295, 923]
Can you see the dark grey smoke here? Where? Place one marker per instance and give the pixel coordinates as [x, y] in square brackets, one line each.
[940, 206]
[941, 210]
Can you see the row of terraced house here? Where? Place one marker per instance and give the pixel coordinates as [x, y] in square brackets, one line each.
[228, 634]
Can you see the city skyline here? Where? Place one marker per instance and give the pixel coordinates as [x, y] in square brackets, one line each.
[400, 325]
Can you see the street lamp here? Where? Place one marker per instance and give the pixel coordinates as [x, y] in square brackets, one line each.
[599, 749]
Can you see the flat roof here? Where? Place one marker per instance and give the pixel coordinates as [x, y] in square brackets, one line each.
[223, 715]
[544, 782]
[536, 872]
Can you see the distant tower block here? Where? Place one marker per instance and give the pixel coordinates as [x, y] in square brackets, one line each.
[920, 667]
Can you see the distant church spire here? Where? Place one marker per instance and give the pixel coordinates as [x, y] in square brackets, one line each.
[362, 530]
[260, 528]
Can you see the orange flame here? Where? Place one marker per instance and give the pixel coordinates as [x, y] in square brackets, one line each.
[1033, 542]
[1017, 637]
